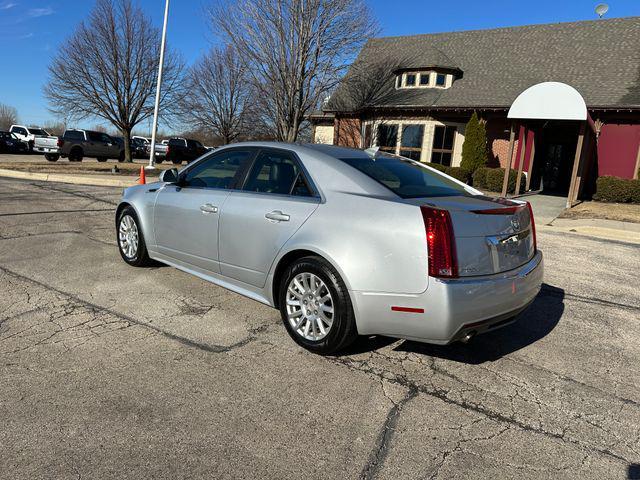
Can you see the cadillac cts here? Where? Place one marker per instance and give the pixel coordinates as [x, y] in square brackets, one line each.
[343, 242]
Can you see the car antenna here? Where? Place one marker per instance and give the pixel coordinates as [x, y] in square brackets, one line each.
[372, 151]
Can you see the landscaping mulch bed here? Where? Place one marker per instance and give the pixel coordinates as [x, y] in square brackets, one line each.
[623, 212]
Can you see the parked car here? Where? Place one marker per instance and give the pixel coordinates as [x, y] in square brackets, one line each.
[50, 146]
[184, 149]
[342, 241]
[9, 143]
[28, 134]
[144, 142]
[77, 144]
[139, 147]
[161, 151]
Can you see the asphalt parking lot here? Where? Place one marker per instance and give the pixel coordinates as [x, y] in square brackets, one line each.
[108, 371]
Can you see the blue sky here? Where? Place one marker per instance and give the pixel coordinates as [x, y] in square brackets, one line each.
[31, 30]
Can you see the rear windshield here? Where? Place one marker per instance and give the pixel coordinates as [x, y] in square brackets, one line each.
[406, 178]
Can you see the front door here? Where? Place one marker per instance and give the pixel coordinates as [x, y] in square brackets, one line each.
[186, 214]
[255, 223]
[554, 157]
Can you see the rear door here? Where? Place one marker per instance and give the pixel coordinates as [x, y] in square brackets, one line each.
[95, 147]
[276, 199]
[186, 214]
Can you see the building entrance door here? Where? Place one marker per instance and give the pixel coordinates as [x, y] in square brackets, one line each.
[554, 157]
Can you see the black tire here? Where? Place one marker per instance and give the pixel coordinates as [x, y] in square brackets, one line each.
[343, 329]
[158, 161]
[101, 159]
[121, 157]
[141, 257]
[76, 154]
[30, 145]
[175, 161]
[52, 157]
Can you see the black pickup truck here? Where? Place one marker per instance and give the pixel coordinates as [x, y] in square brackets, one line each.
[76, 144]
[184, 149]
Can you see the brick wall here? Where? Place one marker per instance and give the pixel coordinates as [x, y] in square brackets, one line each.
[498, 141]
[347, 132]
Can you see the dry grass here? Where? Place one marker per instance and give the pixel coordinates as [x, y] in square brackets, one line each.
[624, 212]
[85, 167]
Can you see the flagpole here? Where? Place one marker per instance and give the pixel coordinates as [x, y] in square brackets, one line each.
[152, 153]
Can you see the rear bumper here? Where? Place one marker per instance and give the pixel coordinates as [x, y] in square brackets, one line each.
[40, 149]
[449, 309]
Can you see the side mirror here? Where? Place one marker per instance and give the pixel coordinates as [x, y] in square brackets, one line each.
[169, 176]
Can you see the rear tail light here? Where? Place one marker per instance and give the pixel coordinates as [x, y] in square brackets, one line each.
[60, 142]
[533, 228]
[441, 247]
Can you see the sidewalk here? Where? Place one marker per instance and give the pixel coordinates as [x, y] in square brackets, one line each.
[102, 180]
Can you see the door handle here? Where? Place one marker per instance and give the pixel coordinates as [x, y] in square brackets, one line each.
[278, 216]
[208, 208]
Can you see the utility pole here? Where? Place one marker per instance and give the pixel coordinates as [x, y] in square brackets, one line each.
[152, 153]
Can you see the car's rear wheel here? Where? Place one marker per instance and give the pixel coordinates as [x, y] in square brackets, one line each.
[315, 306]
[75, 155]
[131, 240]
[102, 159]
[52, 157]
[158, 160]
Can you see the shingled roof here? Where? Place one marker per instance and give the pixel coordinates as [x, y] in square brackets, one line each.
[600, 58]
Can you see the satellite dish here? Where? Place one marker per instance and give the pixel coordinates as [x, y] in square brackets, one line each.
[601, 9]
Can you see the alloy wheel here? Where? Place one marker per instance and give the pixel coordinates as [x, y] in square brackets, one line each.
[310, 307]
[128, 236]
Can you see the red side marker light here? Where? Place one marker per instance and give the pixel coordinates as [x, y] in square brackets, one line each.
[407, 309]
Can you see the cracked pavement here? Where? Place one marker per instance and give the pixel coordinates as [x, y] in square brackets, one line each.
[113, 372]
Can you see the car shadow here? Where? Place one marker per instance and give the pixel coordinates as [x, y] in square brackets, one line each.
[633, 471]
[533, 324]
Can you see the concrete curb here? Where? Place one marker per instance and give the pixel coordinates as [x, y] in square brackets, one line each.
[76, 179]
[598, 228]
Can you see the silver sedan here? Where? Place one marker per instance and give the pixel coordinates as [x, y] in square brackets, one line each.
[343, 242]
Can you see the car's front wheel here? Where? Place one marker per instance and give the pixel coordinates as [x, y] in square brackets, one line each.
[315, 306]
[130, 239]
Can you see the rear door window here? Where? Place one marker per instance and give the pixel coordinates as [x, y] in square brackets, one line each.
[277, 171]
[406, 178]
[94, 136]
[73, 135]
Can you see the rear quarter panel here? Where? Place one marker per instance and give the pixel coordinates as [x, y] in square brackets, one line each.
[377, 244]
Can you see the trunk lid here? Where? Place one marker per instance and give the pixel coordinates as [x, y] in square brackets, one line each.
[491, 235]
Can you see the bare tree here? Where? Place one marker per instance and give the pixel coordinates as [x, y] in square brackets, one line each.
[8, 116]
[296, 50]
[108, 69]
[218, 90]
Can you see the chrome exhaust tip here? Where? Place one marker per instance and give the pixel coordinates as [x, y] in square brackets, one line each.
[467, 337]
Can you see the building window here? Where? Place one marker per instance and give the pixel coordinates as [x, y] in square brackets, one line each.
[411, 141]
[424, 79]
[441, 80]
[410, 79]
[366, 137]
[443, 140]
[388, 137]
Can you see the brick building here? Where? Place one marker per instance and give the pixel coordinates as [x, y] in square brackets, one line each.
[413, 96]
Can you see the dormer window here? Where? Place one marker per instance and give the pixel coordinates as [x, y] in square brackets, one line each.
[424, 79]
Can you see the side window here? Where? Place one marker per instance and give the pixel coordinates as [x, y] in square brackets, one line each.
[73, 135]
[20, 131]
[277, 172]
[94, 136]
[106, 138]
[223, 170]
